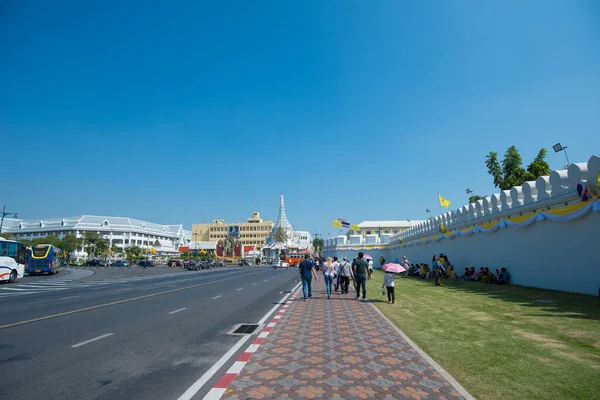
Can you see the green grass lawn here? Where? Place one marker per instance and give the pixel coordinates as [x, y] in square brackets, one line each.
[502, 342]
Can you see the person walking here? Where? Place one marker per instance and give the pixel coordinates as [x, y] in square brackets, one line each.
[345, 272]
[388, 283]
[336, 274]
[328, 274]
[361, 272]
[370, 266]
[437, 270]
[307, 272]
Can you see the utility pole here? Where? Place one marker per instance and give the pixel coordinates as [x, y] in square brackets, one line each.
[4, 214]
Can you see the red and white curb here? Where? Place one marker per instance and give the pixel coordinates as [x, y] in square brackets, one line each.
[221, 386]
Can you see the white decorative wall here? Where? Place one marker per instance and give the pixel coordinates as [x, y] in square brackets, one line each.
[549, 254]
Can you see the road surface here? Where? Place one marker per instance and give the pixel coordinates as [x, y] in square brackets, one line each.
[129, 337]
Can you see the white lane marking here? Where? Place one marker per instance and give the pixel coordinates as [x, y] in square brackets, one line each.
[216, 297]
[263, 335]
[120, 290]
[176, 311]
[265, 280]
[238, 289]
[254, 283]
[213, 370]
[70, 297]
[92, 340]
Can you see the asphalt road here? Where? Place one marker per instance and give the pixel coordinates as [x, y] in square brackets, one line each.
[148, 339]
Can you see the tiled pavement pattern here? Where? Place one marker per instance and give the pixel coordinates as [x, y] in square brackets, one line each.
[337, 348]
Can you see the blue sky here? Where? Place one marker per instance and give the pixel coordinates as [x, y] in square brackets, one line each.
[177, 112]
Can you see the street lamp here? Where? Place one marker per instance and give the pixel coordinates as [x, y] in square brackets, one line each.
[4, 214]
[558, 147]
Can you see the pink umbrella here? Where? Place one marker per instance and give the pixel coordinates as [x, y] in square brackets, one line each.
[391, 267]
[368, 257]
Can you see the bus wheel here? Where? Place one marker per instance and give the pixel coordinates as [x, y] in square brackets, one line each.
[51, 273]
[12, 277]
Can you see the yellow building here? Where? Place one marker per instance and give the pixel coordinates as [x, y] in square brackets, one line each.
[252, 233]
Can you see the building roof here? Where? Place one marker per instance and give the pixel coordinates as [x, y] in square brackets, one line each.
[95, 223]
[389, 224]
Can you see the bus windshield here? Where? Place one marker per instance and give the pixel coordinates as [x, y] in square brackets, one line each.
[41, 251]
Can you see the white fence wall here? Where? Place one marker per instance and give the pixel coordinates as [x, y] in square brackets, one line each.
[548, 254]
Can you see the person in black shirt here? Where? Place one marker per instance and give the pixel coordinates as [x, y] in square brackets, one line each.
[307, 272]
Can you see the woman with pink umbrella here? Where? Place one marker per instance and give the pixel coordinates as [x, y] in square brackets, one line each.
[388, 279]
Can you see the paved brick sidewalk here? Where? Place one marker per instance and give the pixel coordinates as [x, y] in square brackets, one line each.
[337, 348]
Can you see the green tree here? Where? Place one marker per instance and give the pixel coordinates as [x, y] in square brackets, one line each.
[90, 239]
[116, 250]
[474, 199]
[511, 173]
[538, 167]
[102, 246]
[69, 244]
[132, 253]
[317, 243]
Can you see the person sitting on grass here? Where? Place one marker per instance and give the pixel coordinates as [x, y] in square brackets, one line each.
[422, 270]
[451, 273]
[503, 277]
[479, 275]
[465, 276]
[427, 272]
[485, 277]
[472, 274]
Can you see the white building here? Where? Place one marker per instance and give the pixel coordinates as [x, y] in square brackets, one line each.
[121, 231]
[372, 232]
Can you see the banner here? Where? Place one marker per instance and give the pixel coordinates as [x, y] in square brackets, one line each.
[562, 214]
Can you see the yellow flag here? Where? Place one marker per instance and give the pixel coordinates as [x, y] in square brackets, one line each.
[153, 250]
[337, 224]
[443, 201]
[355, 227]
[598, 179]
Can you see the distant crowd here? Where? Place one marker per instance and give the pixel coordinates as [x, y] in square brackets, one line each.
[442, 268]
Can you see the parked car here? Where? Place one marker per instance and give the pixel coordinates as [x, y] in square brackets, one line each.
[77, 263]
[191, 266]
[94, 263]
[280, 264]
[120, 263]
[175, 263]
[205, 264]
[147, 264]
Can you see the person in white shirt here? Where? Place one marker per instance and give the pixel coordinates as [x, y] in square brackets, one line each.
[345, 273]
[370, 266]
[388, 283]
[336, 274]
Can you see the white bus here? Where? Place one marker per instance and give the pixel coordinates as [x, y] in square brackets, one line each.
[13, 256]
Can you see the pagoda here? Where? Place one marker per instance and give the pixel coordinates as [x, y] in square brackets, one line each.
[283, 237]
